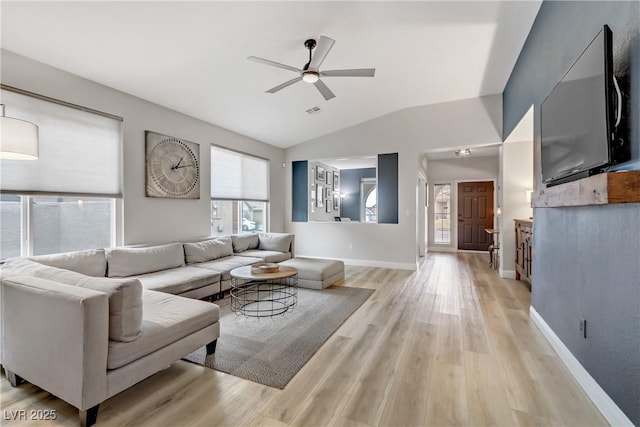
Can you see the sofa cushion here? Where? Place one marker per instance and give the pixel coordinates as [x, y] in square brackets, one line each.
[167, 319]
[208, 249]
[91, 262]
[243, 242]
[178, 280]
[226, 264]
[267, 256]
[124, 262]
[125, 295]
[275, 242]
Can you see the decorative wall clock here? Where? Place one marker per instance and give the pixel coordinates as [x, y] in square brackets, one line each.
[173, 167]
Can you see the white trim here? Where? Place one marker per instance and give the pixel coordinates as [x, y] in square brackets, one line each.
[369, 263]
[598, 396]
[469, 251]
[507, 274]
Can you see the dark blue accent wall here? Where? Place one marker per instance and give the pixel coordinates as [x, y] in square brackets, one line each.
[350, 185]
[388, 188]
[586, 260]
[300, 191]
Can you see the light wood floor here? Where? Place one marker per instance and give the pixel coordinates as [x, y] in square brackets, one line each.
[450, 344]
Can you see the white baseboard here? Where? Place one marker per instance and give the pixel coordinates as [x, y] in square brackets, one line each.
[507, 274]
[598, 396]
[370, 263]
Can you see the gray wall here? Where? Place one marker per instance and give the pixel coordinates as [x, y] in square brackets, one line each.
[150, 220]
[410, 133]
[586, 259]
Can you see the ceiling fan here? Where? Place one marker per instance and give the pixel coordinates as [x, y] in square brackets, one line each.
[311, 73]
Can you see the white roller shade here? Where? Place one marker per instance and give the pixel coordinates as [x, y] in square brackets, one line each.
[79, 152]
[237, 176]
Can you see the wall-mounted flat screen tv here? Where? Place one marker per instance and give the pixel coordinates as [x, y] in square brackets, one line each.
[579, 117]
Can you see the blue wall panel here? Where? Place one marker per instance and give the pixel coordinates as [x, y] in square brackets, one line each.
[300, 191]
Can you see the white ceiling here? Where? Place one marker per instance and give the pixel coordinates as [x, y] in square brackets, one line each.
[359, 162]
[191, 56]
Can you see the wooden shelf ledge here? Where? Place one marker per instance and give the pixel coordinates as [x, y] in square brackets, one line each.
[602, 189]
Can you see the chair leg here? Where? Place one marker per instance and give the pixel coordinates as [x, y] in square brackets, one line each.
[89, 417]
[14, 379]
[211, 347]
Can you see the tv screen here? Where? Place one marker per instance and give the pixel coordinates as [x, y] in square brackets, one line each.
[576, 116]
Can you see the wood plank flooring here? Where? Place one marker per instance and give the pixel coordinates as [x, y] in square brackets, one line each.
[449, 344]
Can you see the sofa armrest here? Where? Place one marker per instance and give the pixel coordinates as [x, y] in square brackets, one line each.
[56, 337]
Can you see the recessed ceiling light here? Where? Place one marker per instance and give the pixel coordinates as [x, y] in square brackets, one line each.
[463, 152]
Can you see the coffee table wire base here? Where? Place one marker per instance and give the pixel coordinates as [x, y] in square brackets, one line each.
[263, 298]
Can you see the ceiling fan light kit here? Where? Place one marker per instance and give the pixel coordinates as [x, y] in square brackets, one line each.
[310, 76]
[311, 73]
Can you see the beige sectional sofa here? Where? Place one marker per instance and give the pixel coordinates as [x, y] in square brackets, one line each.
[87, 325]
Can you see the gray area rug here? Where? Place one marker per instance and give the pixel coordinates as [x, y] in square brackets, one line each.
[271, 351]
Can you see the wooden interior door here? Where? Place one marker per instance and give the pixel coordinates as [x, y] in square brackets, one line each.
[475, 213]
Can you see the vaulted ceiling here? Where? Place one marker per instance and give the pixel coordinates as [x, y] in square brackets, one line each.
[191, 56]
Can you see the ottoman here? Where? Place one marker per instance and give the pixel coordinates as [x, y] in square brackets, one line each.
[316, 273]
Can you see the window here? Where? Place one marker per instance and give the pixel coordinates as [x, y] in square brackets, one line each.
[64, 200]
[237, 216]
[10, 226]
[65, 224]
[239, 193]
[442, 213]
[39, 225]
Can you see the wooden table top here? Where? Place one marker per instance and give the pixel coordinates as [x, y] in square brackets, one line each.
[282, 273]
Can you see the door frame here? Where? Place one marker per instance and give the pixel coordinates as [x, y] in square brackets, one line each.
[422, 204]
[454, 234]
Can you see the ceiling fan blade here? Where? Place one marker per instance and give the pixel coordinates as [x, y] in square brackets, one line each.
[322, 49]
[283, 85]
[274, 64]
[360, 72]
[324, 90]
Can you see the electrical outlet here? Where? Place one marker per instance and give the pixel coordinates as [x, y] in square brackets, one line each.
[583, 328]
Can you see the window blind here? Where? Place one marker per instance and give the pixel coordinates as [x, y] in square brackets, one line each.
[80, 152]
[237, 176]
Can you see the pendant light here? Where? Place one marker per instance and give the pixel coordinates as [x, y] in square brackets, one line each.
[18, 138]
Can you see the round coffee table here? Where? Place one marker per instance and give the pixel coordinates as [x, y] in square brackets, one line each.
[263, 294]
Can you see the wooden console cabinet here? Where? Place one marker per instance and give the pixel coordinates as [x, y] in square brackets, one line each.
[524, 239]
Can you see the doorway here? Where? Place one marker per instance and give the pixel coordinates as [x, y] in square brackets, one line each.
[369, 200]
[475, 214]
